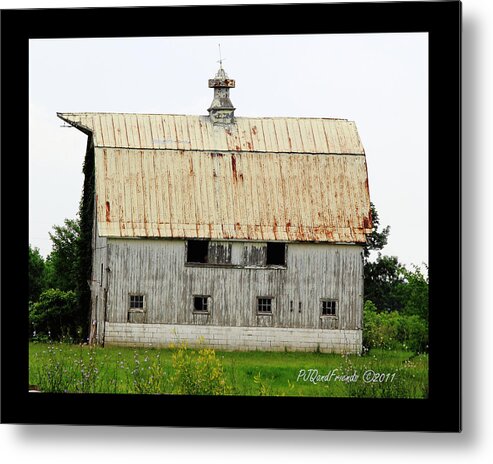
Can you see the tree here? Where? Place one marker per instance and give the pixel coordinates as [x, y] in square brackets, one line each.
[377, 239]
[53, 284]
[36, 273]
[384, 280]
[388, 284]
[383, 275]
[54, 314]
[415, 293]
[63, 262]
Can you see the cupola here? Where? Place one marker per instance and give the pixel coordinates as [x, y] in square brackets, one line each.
[221, 110]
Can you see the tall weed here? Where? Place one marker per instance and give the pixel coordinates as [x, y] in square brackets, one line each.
[198, 373]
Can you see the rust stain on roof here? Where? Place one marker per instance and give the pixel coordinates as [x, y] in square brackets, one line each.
[233, 166]
[304, 181]
[108, 216]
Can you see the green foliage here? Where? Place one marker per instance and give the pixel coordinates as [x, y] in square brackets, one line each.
[384, 279]
[391, 330]
[53, 375]
[54, 313]
[86, 211]
[73, 368]
[403, 380]
[392, 287]
[63, 261]
[86, 371]
[388, 284]
[415, 293]
[63, 270]
[263, 388]
[36, 271]
[148, 373]
[63, 368]
[378, 238]
[198, 373]
[379, 329]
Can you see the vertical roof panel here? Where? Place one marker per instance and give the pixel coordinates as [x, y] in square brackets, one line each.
[271, 135]
[260, 179]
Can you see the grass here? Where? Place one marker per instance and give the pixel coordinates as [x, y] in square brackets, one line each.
[73, 368]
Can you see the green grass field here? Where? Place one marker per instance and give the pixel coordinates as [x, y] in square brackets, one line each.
[73, 368]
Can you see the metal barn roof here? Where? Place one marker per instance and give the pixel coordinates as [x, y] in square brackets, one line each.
[181, 132]
[260, 179]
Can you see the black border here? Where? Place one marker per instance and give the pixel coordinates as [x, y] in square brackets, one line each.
[440, 412]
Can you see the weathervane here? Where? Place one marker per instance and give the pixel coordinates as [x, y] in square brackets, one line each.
[220, 57]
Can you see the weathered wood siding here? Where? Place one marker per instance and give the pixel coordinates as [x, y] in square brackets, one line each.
[157, 269]
[99, 284]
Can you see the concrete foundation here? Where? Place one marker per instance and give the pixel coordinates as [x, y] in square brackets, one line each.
[233, 338]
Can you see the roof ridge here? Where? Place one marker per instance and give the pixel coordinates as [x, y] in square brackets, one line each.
[63, 113]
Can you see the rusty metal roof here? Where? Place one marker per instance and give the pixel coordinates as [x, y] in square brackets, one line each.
[181, 132]
[260, 179]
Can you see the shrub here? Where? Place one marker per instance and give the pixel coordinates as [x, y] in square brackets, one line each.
[53, 314]
[413, 332]
[391, 330]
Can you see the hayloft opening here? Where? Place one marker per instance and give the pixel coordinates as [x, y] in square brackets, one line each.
[197, 251]
[276, 253]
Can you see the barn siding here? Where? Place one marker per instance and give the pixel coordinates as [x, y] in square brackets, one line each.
[99, 284]
[157, 269]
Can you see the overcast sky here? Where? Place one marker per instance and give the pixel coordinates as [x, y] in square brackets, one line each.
[377, 80]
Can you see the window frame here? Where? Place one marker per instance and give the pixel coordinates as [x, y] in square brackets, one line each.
[258, 304]
[208, 304]
[211, 245]
[276, 244]
[196, 263]
[136, 310]
[133, 312]
[335, 301]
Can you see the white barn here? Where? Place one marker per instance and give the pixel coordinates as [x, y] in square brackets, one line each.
[235, 233]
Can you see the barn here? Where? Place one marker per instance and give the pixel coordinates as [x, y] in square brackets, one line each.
[236, 233]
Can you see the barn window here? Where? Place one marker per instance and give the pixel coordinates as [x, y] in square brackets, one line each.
[201, 304]
[136, 301]
[276, 254]
[197, 251]
[136, 308]
[329, 307]
[208, 252]
[264, 305]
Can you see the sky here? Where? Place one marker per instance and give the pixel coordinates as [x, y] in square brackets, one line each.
[379, 81]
